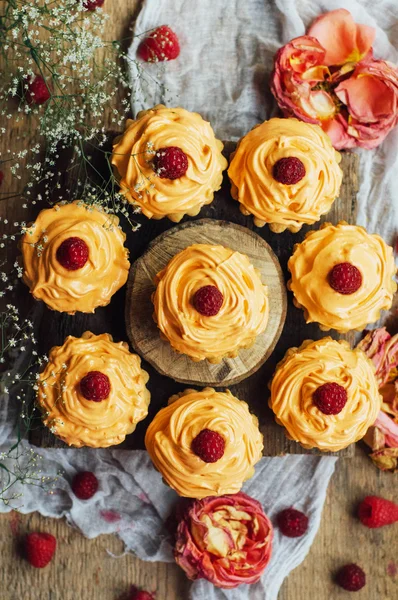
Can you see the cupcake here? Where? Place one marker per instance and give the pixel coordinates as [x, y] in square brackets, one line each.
[210, 302]
[204, 443]
[342, 277]
[74, 258]
[92, 391]
[325, 395]
[168, 162]
[286, 173]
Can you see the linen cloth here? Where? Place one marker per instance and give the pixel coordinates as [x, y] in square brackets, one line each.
[223, 72]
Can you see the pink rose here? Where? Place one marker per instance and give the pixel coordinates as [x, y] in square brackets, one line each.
[226, 540]
[329, 77]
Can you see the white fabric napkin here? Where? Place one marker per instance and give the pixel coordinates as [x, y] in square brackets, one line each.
[226, 58]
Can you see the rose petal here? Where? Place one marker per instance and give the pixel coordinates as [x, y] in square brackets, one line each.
[337, 130]
[343, 39]
[367, 98]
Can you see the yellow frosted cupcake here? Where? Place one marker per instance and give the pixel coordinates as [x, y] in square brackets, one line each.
[93, 391]
[325, 395]
[204, 443]
[210, 302]
[169, 162]
[286, 173]
[74, 257]
[342, 277]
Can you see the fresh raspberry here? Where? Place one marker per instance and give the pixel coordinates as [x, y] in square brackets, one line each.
[93, 4]
[170, 162]
[95, 386]
[208, 300]
[85, 485]
[208, 445]
[330, 398]
[141, 595]
[72, 254]
[377, 512]
[37, 92]
[292, 522]
[40, 548]
[351, 578]
[162, 44]
[288, 170]
[345, 278]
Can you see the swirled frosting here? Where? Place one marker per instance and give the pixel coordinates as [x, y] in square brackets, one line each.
[105, 271]
[170, 435]
[80, 422]
[315, 257]
[162, 127]
[243, 314]
[285, 206]
[302, 371]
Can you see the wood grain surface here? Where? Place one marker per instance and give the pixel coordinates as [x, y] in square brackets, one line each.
[144, 333]
[254, 390]
[84, 570]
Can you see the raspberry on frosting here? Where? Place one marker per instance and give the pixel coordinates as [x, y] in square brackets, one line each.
[345, 278]
[330, 398]
[208, 300]
[170, 162]
[209, 446]
[289, 170]
[162, 44]
[95, 386]
[73, 253]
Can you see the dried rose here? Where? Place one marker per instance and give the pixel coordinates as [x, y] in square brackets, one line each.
[386, 459]
[382, 349]
[226, 540]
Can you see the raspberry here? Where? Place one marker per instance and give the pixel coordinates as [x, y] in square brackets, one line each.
[93, 4]
[72, 254]
[37, 92]
[208, 300]
[140, 595]
[377, 512]
[288, 170]
[345, 278]
[95, 386]
[292, 522]
[84, 485]
[170, 162]
[40, 548]
[162, 44]
[208, 445]
[330, 398]
[351, 578]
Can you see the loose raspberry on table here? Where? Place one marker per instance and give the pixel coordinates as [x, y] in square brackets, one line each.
[351, 578]
[292, 523]
[208, 300]
[141, 595]
[330, 398]
[38, 91]
[85, 485]
[39, 549]
[73, 253]
[95, 386]
[160, 45]
[170, 162]
[209, 446]
[288, 170]
[345, 278]
[93, 4]
[377, 512]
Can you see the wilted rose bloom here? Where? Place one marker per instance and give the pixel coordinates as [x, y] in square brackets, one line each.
[329, 77]
[226, 540]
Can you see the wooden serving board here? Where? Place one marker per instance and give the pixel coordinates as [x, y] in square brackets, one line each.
[144, 333]
[55, 327]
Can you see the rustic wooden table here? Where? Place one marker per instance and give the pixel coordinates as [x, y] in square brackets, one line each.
[84, 569]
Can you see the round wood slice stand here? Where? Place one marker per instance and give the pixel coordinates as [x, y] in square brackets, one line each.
[143, 332]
